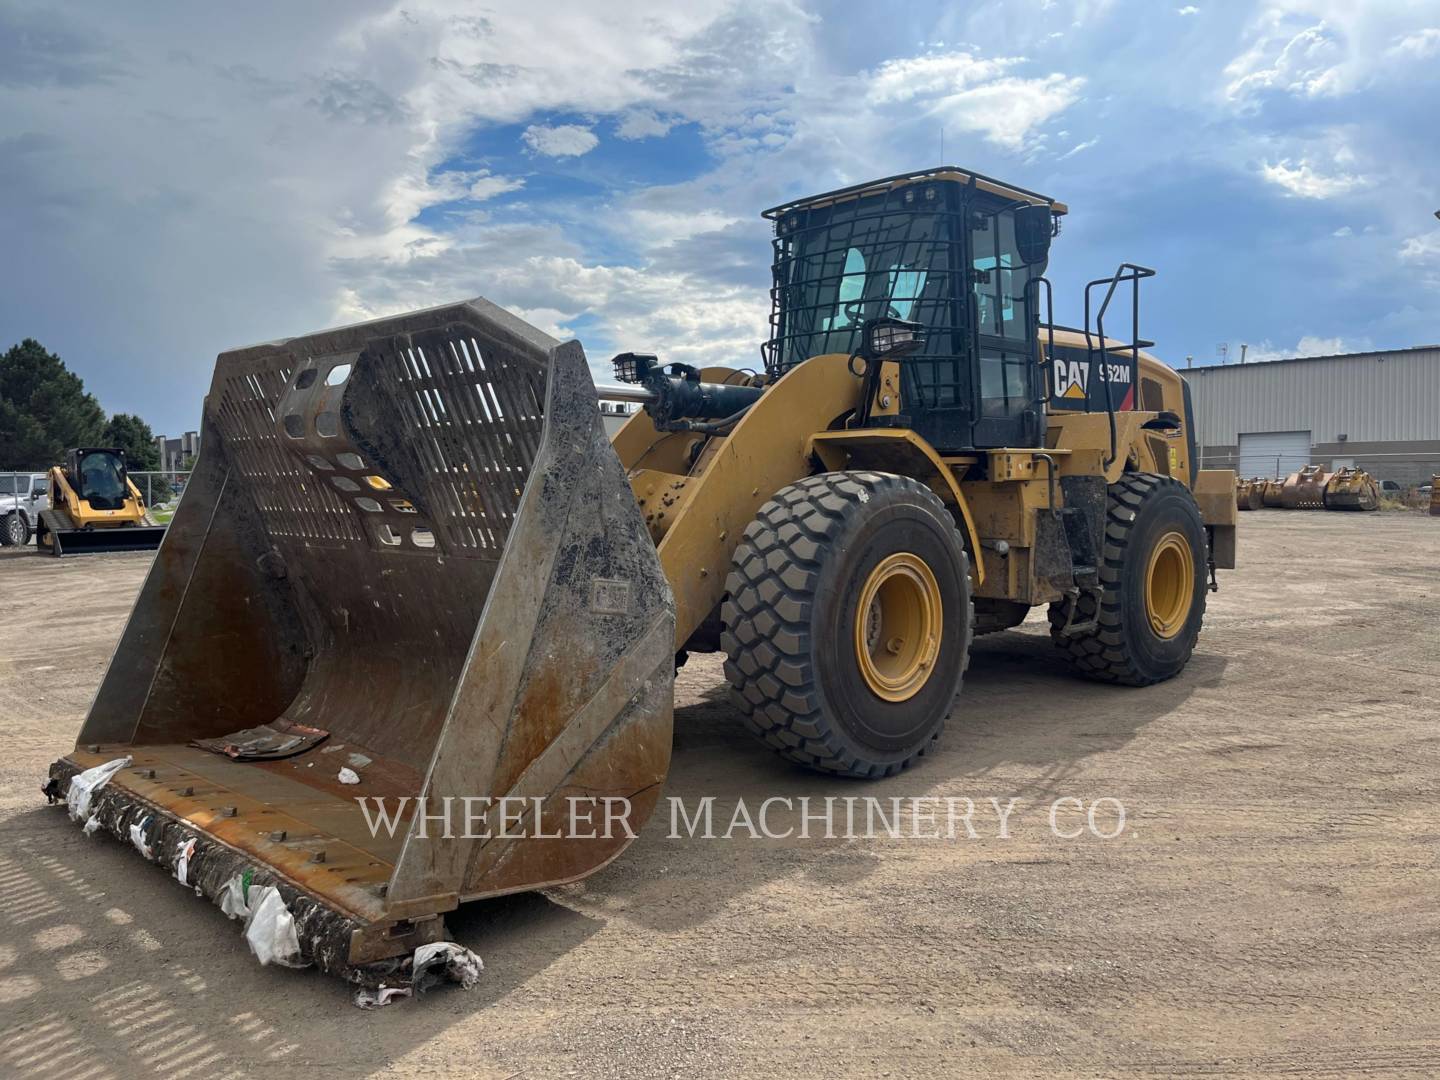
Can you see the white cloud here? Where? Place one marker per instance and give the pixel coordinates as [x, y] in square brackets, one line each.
[1007, 110]
[486, 186]
[655, 228]
[642, 124]
[1343, 231]
[1312, 50]
[934, 76]
[563, 140]
[1420, 45]
[1305, 63]
[1308, 345]
[1078, 148]
[1188, 9]
[969, 93]
[1421, 248]
[1304, 180]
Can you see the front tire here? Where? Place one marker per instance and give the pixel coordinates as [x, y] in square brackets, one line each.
[847, 622]
[1153, 587]
[14, 530]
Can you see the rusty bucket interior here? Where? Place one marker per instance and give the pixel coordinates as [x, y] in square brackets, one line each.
[408, 552]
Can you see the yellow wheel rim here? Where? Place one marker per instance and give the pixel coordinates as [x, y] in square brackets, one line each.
[1169, 585]
[897, 626]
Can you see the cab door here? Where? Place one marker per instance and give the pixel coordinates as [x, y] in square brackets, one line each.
[1007, 407]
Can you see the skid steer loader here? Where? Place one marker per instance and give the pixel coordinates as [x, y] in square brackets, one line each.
[410, 553]
[94, 507]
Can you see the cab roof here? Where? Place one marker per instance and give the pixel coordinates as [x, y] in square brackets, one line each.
[944, 173]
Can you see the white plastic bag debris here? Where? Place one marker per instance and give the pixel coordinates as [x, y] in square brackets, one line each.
[183, 854]
[92, 825]
[349, 776]
[384, 995]
[445, 959]
[83, 786]
[232, 898]
[270, 932]
[137, 836]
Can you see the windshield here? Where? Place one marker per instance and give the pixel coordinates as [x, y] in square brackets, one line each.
[102, 480]
[855, 262]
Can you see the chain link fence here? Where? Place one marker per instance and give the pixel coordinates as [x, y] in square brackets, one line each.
[162, 490]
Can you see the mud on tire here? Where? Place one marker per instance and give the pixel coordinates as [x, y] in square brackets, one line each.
[790, 612]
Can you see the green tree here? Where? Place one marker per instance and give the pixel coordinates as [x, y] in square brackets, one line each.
[44, 408]
[133, 435]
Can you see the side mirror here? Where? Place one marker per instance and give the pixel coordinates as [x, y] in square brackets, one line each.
[1033, 228]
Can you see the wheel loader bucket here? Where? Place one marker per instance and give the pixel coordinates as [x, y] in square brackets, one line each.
[1305, 489]
[1352, 489]
[407, 642]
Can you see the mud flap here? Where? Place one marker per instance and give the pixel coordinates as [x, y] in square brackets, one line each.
[411, 534]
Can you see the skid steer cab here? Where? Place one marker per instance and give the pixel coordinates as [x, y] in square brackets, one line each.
[410, 567]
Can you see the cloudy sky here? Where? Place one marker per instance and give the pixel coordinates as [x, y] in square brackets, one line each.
[179, 178]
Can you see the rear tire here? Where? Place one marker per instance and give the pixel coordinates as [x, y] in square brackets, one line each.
[1153, 587]
[820, 682]
[14, 530]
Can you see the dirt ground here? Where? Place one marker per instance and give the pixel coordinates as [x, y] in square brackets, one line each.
[1271, 907]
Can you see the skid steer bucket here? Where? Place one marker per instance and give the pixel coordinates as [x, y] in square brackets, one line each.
[408, 557]
[63, 541]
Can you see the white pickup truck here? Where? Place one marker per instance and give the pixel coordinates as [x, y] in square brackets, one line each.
[22, 496]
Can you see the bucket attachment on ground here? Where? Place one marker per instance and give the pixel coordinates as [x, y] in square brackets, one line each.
[1305, 490]
[1249, 494]
[409, 557]
[60, 538]
[1352, 489]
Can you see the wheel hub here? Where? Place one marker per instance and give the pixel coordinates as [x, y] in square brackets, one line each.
[900, 616]
[1169, 585]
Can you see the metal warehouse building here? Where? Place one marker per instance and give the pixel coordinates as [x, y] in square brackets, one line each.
[1377, 410]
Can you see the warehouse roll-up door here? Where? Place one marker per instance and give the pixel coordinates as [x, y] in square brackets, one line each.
[1273, 453]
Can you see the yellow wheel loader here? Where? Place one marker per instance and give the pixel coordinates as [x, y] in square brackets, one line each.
[412, 573]
[94, 507]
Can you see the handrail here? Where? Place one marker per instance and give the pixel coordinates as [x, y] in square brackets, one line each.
[1134, 274]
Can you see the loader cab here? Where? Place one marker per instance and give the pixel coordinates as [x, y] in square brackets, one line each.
[960, 254]
[98, 476]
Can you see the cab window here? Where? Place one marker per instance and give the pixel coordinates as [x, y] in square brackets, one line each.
[852, 289]
[1000, 283]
